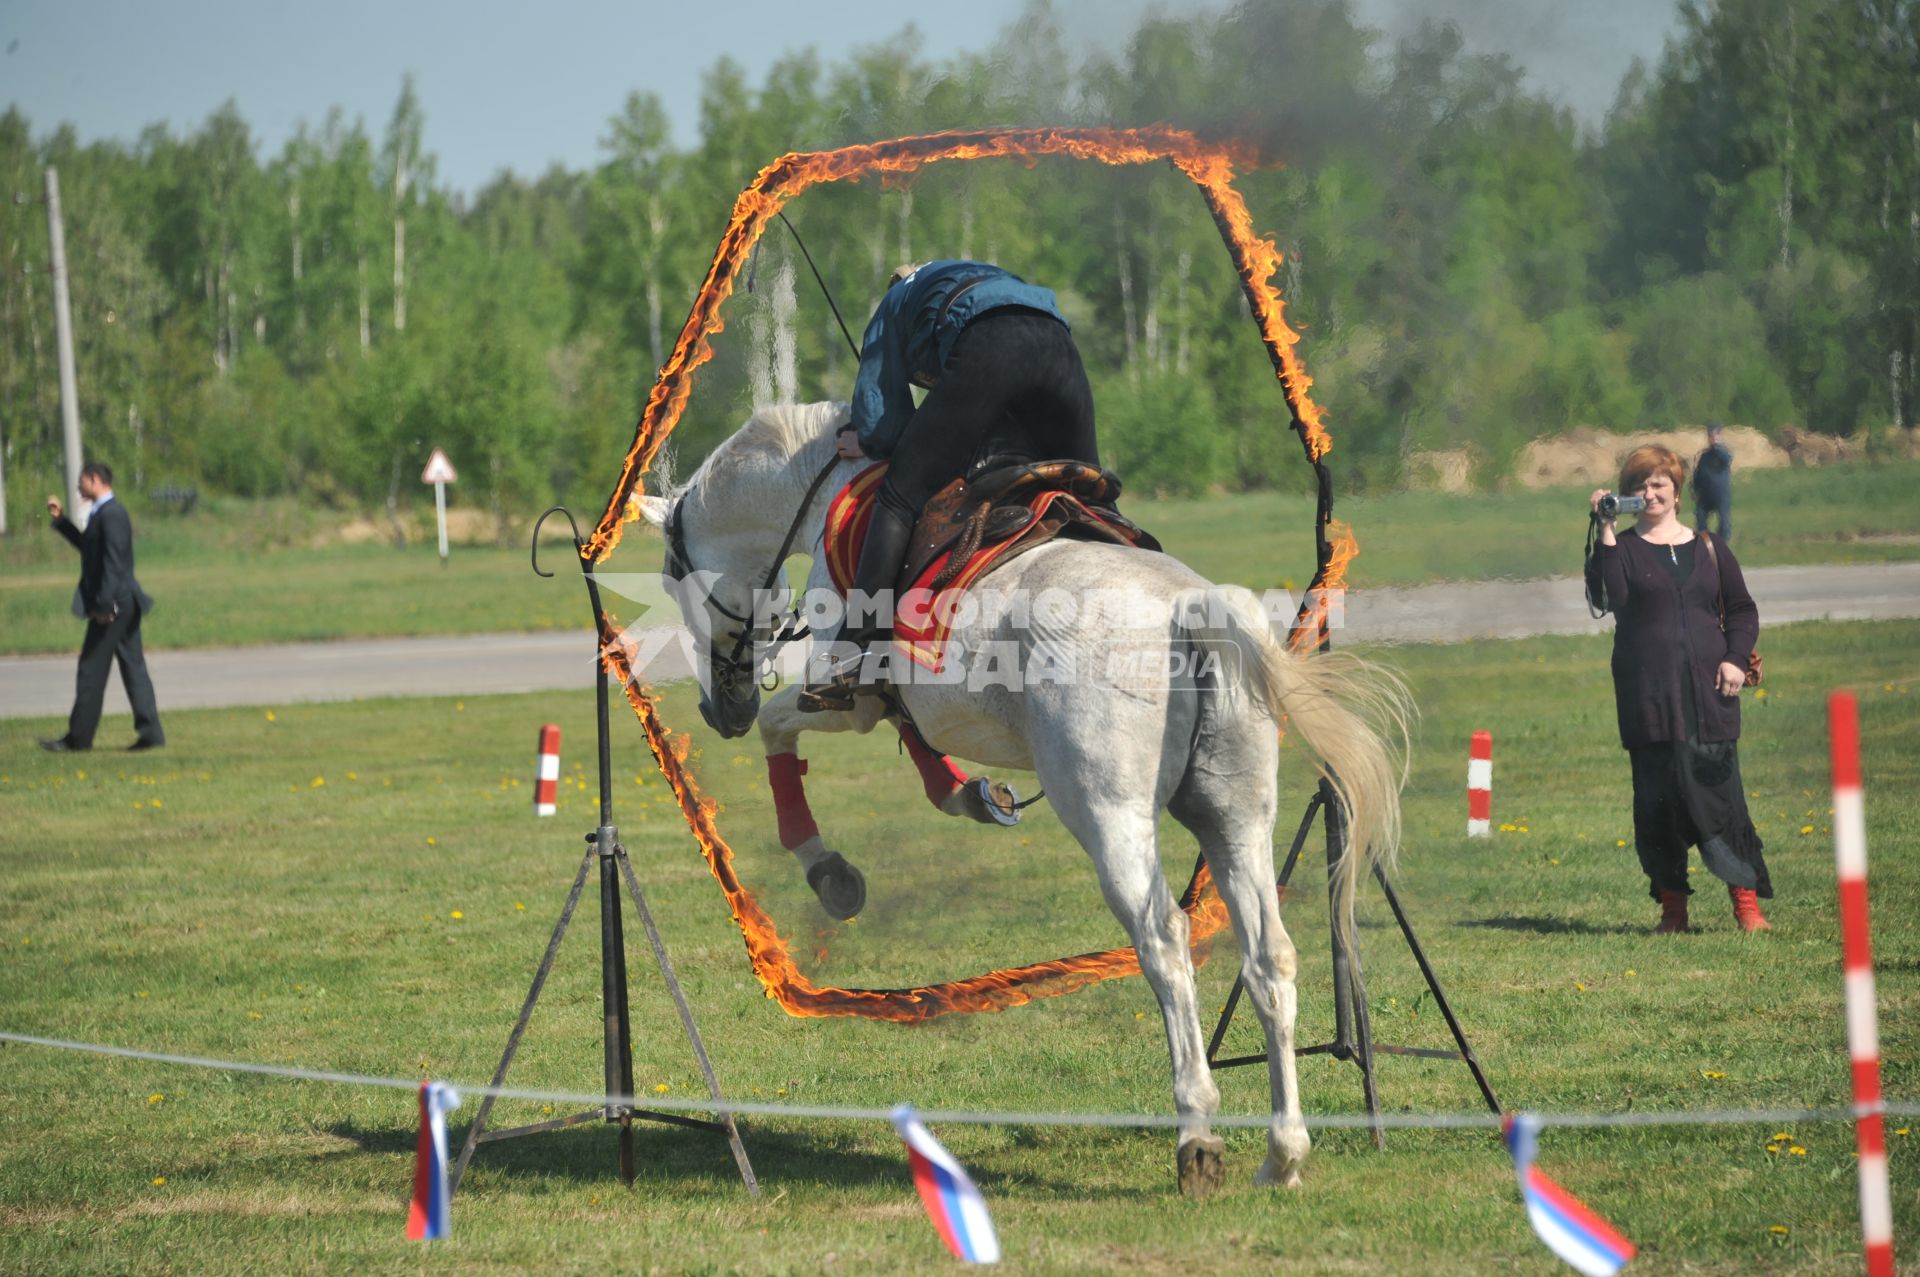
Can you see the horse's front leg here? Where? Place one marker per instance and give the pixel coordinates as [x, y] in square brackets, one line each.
[954, 793]
[839, 886]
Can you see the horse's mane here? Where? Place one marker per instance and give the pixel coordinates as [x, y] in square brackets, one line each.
[778, 431]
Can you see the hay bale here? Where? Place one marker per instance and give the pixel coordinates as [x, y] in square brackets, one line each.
[1589, 457]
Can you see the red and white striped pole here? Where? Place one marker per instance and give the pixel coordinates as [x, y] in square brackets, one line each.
[1480, 786]
[546, 781]
[1856, 946]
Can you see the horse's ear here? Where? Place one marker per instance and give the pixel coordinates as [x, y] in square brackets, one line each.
[653, 509]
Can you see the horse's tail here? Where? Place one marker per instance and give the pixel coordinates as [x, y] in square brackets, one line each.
[1350, 713]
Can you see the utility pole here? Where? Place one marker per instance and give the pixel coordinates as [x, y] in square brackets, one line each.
[63, 340]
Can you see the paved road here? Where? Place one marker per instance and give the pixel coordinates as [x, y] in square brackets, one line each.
[480, 664]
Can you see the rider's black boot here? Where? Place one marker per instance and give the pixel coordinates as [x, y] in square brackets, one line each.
[881, 557]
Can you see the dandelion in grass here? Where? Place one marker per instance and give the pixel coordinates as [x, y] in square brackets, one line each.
[1901, 1132]
[156, 1099]
[519, 906]
[1507, 829]
[141, 994]
[1797, 1151]
[1773, 1148]
[456, 915]
[255, 1015]
[353, 775]
[1779, 1230]
[1712, 1075]
[1630, 973]
[661, 1088]
[1579, 986]
[1782, 1137]
[1806, 829]
[432, 841]
[1620, 842]
[158, 1180]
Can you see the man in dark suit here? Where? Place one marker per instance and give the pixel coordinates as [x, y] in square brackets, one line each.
[112, 602]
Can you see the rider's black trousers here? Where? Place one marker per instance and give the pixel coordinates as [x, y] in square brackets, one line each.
[1013, 383]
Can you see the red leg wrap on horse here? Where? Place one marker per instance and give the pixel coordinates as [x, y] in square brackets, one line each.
[937, 771]
[790, 799]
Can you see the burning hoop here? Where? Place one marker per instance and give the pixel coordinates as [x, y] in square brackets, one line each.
[1210, 166]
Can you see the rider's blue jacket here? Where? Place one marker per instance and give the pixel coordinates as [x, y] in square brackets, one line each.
[912, 332]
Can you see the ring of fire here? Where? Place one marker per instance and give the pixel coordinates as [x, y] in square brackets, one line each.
[1210, 167]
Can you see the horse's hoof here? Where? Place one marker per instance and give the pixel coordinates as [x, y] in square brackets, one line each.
[990, 802]
[1203, 1165]
[1272, 1173]
[841, 888]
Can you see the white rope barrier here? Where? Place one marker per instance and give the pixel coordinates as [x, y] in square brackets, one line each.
[754, 1108]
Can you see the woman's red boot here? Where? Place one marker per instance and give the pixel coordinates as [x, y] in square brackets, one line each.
[1673, 913]
[1746, 909]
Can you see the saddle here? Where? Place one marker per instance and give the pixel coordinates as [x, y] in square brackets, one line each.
[1003, 508]
[1017, 504]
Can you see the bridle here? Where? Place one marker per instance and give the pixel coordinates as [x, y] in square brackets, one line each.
[736, 666]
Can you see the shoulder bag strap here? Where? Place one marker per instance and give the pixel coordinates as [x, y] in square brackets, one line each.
[1719, 586]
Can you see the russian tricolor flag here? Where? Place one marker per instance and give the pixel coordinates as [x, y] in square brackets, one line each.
[959, 1212]
[1562, 1220]
[430, 1215]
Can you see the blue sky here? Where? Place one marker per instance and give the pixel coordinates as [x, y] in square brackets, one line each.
[522, 86]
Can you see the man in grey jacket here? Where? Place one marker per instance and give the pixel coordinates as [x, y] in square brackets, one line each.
[111, 600]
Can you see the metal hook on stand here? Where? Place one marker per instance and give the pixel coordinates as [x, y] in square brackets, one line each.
[603, 845]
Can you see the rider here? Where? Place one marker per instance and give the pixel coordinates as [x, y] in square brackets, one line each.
[1002, 375]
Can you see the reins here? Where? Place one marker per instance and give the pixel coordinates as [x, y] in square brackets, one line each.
[791, 628]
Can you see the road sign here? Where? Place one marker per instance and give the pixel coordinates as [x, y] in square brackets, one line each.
[439, 469]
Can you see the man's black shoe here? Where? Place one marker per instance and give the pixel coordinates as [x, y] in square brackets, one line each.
[61, 745]
[140, 745]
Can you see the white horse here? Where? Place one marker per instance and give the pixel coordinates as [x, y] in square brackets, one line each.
[1112, 750]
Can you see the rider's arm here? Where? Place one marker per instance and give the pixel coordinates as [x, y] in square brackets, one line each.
[882, 398]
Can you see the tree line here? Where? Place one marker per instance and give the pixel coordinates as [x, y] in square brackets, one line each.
[1740, 239]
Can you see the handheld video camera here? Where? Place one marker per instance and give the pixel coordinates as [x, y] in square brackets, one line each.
[1612, 506]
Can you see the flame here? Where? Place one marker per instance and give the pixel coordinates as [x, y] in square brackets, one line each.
[1209, 165]
[1342, 549]
[1257, 259]
[772, 958]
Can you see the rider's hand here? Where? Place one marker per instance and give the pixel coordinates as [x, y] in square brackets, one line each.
[847, 444]
[54, 508]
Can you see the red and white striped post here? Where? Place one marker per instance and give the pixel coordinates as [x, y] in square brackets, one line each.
[1856, 946]
[1480, 786]
[546, 781]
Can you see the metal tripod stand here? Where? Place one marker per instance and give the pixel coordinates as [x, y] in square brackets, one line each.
[1352, 1025]
[603, 846]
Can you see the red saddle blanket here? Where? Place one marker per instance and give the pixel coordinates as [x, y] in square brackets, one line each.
[940, 567]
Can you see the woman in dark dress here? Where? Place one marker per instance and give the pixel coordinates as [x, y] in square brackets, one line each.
[1677, 675]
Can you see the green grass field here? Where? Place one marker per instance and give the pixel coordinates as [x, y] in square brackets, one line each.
[241, 573]
[361, 887]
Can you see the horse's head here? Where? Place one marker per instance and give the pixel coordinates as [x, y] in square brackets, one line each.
[709, 575]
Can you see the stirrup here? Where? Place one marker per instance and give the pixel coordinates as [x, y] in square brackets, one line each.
[835, 695]
[835, 690]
